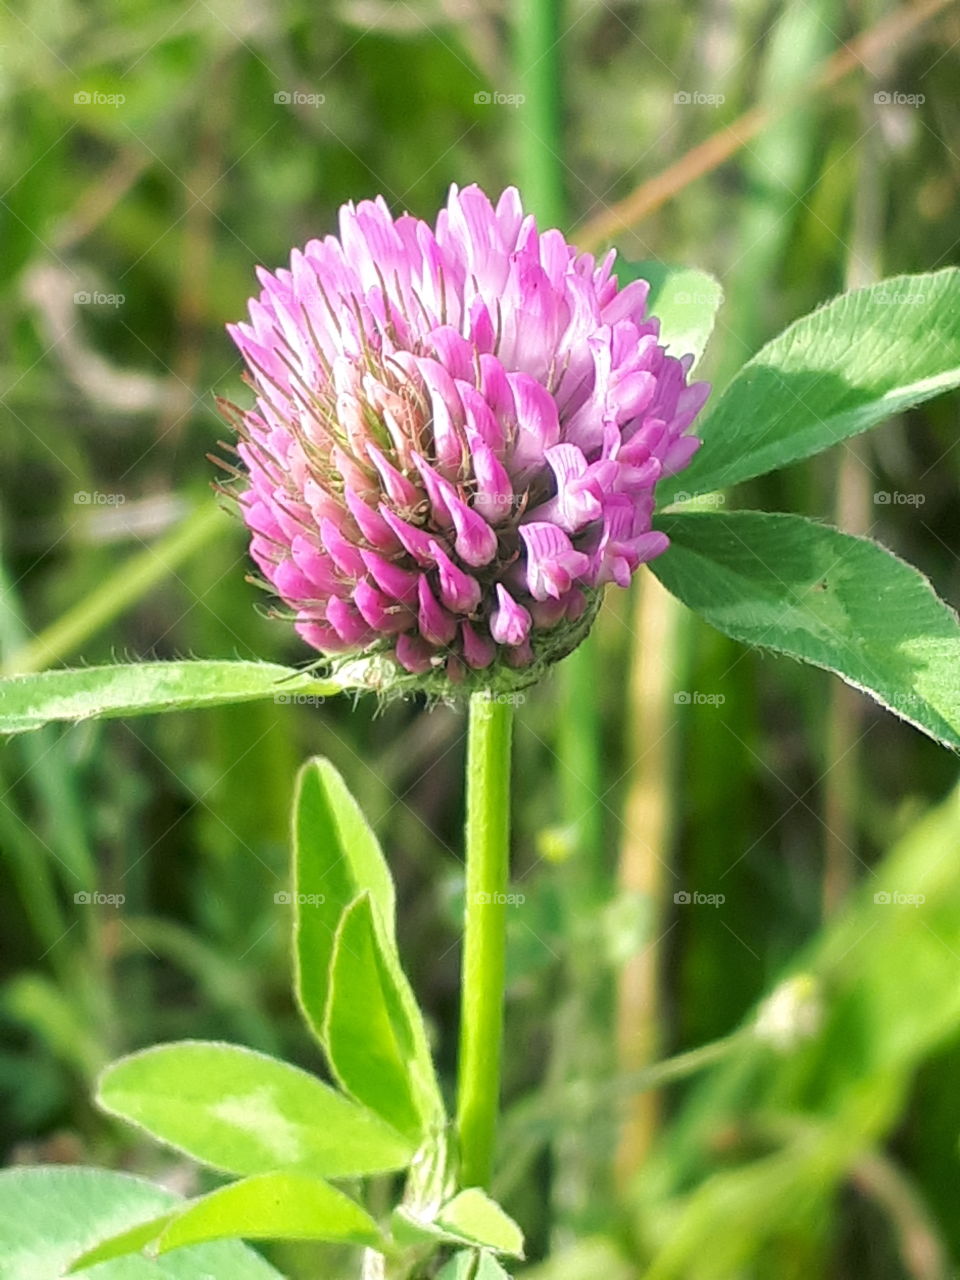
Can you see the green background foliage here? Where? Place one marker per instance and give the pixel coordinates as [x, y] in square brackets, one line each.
[146, 890]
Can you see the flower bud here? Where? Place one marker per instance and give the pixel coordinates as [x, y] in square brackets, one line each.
[456, 439]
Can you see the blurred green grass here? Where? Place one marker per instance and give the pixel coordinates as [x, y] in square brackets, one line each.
[768, 1169]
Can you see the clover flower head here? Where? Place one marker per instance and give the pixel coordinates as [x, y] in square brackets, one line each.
[456, 439]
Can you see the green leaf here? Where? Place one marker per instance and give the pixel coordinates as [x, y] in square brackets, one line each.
[133, 1240]
[50, 1216]
[336, 856]
[272, 1206]
[825, 597]
[407, 1230]
[269, 1206]
[471, 1217]
[462, 1266]
[469, 1265]
[475, 1216]
[133, 689]
[243, 1112]
[488, 1268]
[347, 956]
[376, 1042]
[684, 300]
[856, 361]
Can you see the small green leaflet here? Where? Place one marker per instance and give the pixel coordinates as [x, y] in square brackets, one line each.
[374, 1034]
[474, 1215]
[683, 299]
[471, 1217]
[468, 1265]
[243, 1112]
[135, 689]
[336, 856]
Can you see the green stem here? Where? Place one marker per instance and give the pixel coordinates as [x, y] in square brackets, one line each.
[537, 49]
[484, 947]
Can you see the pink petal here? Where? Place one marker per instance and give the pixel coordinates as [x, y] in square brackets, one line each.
[398, 584]
[416, 542]
[478, 650]
[344, 554]
[458, 591]
[348, 623]
[414, 654]
[537, 424]
[379, 611]
[510, 624]
[371, 524]
[436, 624]
[553, 563]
